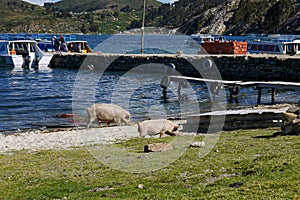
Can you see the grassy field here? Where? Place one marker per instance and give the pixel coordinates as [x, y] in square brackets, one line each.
[244, 164]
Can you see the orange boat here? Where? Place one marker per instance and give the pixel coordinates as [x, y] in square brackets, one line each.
[218, 46]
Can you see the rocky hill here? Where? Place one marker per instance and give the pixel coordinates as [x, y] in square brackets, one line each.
[235, 17]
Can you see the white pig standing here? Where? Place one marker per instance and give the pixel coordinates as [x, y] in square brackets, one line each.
[107, 113]
[155, 127]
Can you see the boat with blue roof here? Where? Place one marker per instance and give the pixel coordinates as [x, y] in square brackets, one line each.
[23, 54]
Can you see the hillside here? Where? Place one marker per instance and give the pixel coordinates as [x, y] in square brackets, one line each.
[237, 17]
[88, 16]
[229, 17]
[76, 6]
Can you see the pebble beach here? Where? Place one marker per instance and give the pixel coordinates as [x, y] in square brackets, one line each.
[36, 140]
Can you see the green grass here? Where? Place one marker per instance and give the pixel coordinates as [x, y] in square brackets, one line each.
[260, 165]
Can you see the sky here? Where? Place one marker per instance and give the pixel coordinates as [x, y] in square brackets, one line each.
[41, 2]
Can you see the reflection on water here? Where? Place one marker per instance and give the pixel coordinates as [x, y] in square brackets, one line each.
[34, 99]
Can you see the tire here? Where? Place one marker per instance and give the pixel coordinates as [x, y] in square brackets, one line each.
[207, 64]
[165, 82]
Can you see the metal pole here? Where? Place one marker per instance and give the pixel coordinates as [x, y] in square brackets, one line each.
[143, 28]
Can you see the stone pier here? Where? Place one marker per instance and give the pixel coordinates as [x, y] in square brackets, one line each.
[258, 67]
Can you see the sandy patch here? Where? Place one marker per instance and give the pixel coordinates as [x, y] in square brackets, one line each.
[35, 140]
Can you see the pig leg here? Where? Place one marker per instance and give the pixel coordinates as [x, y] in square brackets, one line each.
[109, 122]
[142, 131]
[161, 134]
[119, 121]
[99, 123]
[91, 118]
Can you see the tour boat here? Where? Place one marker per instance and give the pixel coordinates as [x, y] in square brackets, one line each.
[23, 54]
[46, 45]
[201, 38]
[79, 46]
[276, 47]
[218, 45]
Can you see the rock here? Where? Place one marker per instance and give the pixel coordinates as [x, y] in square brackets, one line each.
[296, 126]
[290, 123]
[157, 147]
[287, 120]
[293, 109]
[236, 184]
[141, 186]
[197, 144]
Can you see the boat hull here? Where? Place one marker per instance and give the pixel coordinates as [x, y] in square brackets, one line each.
[11, 61]
[227, 47]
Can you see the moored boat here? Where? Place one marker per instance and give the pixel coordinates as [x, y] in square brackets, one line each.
[46, 45]
[219, 45]
[23, 54]
[276, 47]
[79, 46]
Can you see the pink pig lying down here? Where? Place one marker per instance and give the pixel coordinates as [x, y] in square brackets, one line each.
[155, 127]
[107, 113]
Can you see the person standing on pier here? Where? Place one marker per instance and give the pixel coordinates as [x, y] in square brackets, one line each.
[165, 81]
[55, 43]
[62, 44]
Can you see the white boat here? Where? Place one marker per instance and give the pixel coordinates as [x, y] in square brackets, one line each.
[274, 47]
[23, 54]
[201, 38]
[79, 46]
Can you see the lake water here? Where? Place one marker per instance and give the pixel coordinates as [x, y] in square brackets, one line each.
[34, 99]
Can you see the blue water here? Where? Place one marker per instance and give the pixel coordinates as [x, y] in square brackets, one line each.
[34, 99]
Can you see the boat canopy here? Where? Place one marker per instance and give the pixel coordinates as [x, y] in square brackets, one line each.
[3, 47]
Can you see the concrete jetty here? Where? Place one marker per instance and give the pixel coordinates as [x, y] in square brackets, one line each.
[254, 67]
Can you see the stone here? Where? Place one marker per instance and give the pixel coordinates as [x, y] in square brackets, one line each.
[197, 144]
[290, 123]
[296, 126]
[293, 109]
[157, 147]
[287, 119]
[236, 184]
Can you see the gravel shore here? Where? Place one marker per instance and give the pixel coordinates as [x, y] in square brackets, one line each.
[42, 140]
[37, 140]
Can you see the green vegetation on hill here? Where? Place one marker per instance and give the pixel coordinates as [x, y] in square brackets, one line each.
[235, 17]
[88, 16]
[76, 6]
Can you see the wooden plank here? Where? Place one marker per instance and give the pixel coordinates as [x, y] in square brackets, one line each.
[240, 112]
[180, 78]
[238, 117]
[261, 84]
[238, 124]
[234, 119]
[229, 126]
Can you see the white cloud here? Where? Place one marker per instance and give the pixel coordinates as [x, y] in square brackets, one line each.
[167, 1]
[40, 2]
